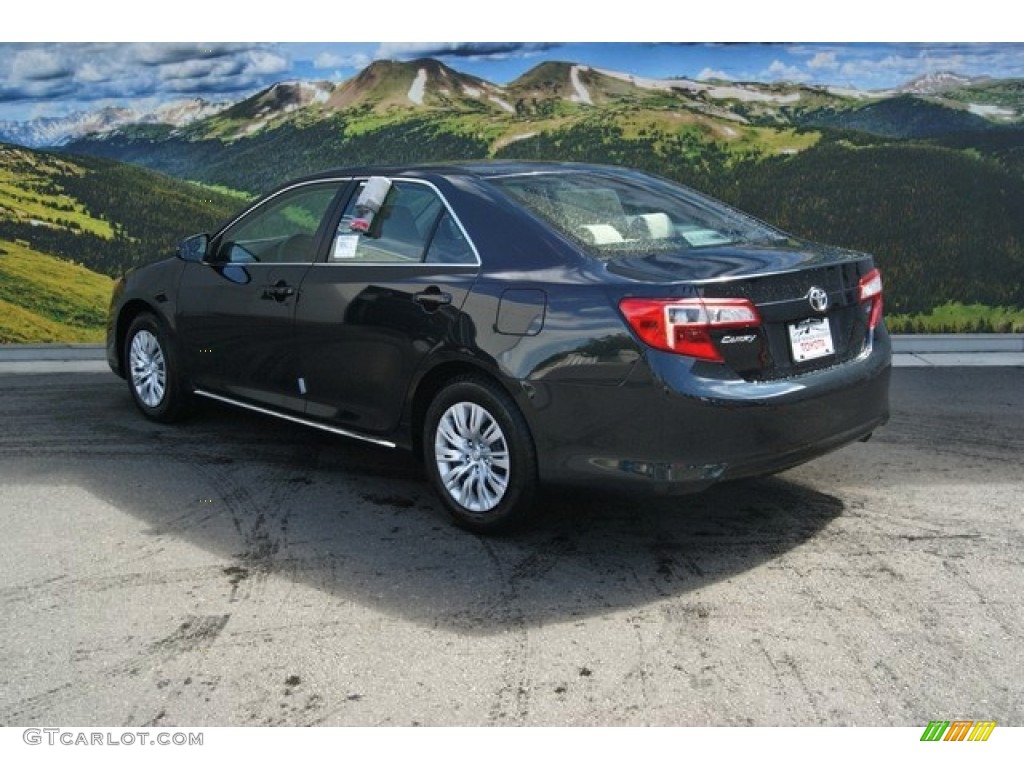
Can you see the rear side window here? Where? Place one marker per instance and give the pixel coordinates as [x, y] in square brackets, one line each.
[629, 214]
[401, 230]
[449, 245]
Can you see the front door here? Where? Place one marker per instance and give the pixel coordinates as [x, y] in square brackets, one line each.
[236, 310]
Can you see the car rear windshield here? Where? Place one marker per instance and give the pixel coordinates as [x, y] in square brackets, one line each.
[627, 214]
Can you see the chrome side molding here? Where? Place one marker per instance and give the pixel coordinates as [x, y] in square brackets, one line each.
[295, 419]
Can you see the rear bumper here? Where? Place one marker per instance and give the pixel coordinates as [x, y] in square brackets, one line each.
[677, 426]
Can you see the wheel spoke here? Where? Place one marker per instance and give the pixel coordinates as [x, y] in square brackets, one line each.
[492, 433]
[466, 492]
[448, 455]
[455, 474]
[459, 420]
[451, 437]
[476, 417]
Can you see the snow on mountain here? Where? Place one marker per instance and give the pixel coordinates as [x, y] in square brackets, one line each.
[502, 103]
[858, 93]
[419, 85]
[936, 82]
[279, 99]
[653, 83]
[181, 113]
[991, 111]
[737, 91]
[582, 95]
[57, 131]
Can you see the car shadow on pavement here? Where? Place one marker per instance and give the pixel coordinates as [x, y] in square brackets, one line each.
[275, 500]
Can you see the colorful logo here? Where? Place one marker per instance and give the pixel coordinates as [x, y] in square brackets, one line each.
[958, 730]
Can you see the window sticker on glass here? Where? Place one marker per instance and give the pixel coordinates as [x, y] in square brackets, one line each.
[345, 247]
[696, 237]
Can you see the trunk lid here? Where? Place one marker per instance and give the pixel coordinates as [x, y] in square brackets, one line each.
[796, 336]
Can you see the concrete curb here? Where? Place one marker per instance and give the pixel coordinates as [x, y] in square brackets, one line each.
[958, 343]
[959, 360]
[34, 352]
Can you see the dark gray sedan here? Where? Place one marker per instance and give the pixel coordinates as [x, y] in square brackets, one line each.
[517, 323]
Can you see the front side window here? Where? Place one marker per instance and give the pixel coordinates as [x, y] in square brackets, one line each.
[614, 214]
[282, 230]
[401, 230]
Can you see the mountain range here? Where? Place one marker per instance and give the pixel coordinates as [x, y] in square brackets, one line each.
[429, 85]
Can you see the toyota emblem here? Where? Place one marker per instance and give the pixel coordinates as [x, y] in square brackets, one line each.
[818, 299]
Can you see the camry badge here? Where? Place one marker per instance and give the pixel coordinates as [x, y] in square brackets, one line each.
[744, 339]
[818, 299]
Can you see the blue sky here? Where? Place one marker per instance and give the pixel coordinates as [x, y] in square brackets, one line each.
[54, 79]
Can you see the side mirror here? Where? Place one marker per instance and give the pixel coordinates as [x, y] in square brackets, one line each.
[193, 248]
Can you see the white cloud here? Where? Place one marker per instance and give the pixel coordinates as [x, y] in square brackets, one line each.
[713, 74]
[265, 63]
[887, 65]
[38, 64]
[330, 60]
[155, 54]
[823, 60]
[91, 72]
[469, 50]
[777, 71]
[66, 77]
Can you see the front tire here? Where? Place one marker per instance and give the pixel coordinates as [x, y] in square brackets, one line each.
[151, 368]
[480, 456]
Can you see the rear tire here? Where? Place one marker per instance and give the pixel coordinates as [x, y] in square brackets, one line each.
[151, 367]
[479, 455]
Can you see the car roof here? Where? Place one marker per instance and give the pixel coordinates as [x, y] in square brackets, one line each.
[478, 168]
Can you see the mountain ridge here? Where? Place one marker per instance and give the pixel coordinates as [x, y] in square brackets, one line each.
[549, 88]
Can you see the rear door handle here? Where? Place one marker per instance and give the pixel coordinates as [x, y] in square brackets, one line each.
[432, 298]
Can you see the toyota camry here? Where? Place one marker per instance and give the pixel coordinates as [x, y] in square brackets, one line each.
[515, 324]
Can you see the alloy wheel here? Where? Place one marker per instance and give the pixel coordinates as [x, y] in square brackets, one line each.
[472, 456]
[148, 368]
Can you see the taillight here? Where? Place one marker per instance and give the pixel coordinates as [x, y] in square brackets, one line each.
[684, 326]
[871, 291]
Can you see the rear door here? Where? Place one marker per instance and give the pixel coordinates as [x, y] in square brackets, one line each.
[236, 310]
[378, 303]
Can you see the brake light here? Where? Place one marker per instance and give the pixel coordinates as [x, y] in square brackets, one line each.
[684, 326]
[871, 291]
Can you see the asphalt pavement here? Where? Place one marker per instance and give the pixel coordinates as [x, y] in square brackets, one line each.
[239, 570]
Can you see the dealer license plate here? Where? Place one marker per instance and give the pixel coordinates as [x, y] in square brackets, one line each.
[811, 339]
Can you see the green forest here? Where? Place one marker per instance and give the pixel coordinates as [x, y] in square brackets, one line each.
[68, 225]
